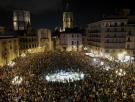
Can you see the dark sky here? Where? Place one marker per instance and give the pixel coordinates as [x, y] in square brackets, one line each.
[48, 13]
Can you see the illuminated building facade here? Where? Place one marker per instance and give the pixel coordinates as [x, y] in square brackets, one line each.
[44, 39]
[107, 37]
[130, 39]
[56, 43]
[28, 44]
[67, 18]
[28, 40]
[20, 19]
[9, 49]
[71, 40]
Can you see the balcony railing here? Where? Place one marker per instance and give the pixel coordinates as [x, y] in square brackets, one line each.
[115, 37]
[115, 42]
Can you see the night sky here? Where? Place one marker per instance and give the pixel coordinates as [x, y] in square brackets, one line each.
[48, 13]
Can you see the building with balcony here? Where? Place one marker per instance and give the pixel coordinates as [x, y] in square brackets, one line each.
[28, 40]
[28, 44]
[107, 37]
[9, 49]
[44, 39]
[71, 40]
[130, 39]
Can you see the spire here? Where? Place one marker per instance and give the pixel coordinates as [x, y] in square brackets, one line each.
[67, 16]
[67, 6]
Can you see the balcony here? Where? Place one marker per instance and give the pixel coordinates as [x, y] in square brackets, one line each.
[94, 31]
[97, 36]
[94, 40]
[115, 30]
[114, 42]
[115, 36]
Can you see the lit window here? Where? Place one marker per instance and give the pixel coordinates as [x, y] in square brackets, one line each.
[15, 26]
[15, 18]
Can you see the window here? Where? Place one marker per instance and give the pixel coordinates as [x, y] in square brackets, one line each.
[26, 46]
[122, 29]
[3, 43]
[10, 46]
[77, 42]
[115, 24]
[15, 18]
[108, 30]
[114, 35]
[128, 39]
[115, 29]
[15, 25]
[107, 51]
[122, 24]
[129, 33]
[107, 24]
[72, 42]
[128, 46]
[72, 35]
[133, 52]
[65, 20]
[107, 41]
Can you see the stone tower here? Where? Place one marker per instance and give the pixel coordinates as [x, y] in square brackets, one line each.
[67, 17]
[20, 19]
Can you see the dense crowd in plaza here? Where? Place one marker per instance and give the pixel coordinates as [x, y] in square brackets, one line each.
[104, 81]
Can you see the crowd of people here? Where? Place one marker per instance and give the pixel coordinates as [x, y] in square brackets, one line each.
[103, 82]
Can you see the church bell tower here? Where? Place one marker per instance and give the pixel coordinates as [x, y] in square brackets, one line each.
[67, 17]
